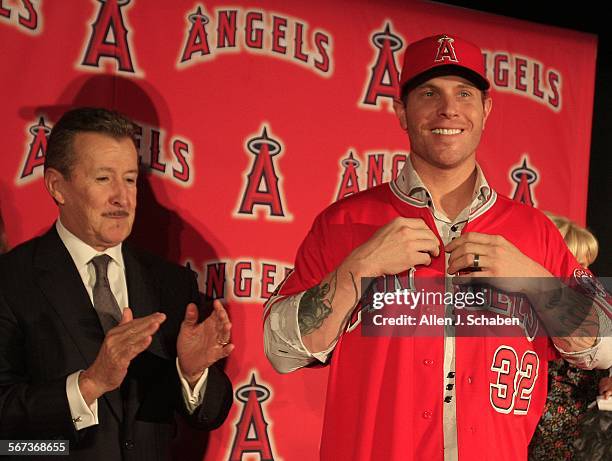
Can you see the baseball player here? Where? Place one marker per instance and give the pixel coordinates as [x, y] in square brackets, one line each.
[440, 397]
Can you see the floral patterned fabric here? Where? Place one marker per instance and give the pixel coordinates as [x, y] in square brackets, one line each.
[559, 433]
[594, 442]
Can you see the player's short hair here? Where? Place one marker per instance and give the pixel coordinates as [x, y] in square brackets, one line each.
[60, 146]
[580, 241]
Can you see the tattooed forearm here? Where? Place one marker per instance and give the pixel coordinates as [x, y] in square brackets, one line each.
[348, 315]
[571, 318]
[316, 305]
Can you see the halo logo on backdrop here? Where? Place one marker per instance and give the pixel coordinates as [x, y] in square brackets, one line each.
[383, 81]
[174, 163]
[255, 31]
[381, 166]
[349, 183]
[525, 178]
[261, 185]
[110, 37]
[24, 16]
[35, 153]
[251, 434]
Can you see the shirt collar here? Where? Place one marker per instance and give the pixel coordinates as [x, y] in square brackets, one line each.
[81, 252]
[412, 188]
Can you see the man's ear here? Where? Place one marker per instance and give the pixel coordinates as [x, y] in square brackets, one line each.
[55, 182]
[487, 106]
[400, 111]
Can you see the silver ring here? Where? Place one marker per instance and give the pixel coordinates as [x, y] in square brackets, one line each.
[476, 263]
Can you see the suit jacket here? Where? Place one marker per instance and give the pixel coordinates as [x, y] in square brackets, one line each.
[49, 329]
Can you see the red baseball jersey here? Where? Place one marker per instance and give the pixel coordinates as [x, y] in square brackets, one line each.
[385, 394]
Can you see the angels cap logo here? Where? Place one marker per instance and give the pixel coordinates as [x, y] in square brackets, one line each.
[446, 50]
[524, 177]
[252, 428]
[262, 188]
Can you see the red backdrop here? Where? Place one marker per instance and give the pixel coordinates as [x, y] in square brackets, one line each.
[255, 117]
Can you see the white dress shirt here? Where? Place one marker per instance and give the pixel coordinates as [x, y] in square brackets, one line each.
[83, 415]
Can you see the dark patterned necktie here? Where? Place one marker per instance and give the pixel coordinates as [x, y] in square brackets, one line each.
[104, 301]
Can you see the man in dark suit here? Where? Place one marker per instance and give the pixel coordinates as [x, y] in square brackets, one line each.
[101, 344]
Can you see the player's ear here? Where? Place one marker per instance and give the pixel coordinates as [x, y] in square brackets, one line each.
[400, 111]
[487, 104]
[55, 184]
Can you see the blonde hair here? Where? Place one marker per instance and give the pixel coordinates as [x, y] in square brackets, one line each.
[580, 241]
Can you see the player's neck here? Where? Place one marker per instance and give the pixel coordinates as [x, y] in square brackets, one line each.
[451, 188]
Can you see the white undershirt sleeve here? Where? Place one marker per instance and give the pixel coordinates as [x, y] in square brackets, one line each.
[282, 340]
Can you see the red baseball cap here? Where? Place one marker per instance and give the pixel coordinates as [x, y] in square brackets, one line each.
[442, 55]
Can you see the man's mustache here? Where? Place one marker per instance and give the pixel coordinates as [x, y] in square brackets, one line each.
[116, 214]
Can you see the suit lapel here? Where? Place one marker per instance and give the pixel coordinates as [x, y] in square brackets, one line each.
[61, 284]
[63, 287]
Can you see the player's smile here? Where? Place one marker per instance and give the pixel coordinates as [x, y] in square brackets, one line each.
[447, 131]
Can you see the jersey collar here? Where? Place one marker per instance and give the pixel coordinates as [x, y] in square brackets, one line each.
[409, 188]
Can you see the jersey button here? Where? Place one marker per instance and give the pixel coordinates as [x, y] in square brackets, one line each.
[428, 362]
[427, 414]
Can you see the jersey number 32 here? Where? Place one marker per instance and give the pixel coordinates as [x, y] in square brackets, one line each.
[515, 380]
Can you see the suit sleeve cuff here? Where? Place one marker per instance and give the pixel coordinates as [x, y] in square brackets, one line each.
[192, 398]
[82, 415]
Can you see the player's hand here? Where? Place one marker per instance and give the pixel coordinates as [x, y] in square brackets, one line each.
[499, 261]
[121, 344]
[397, 246]
[199, 345]
[605, 387]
